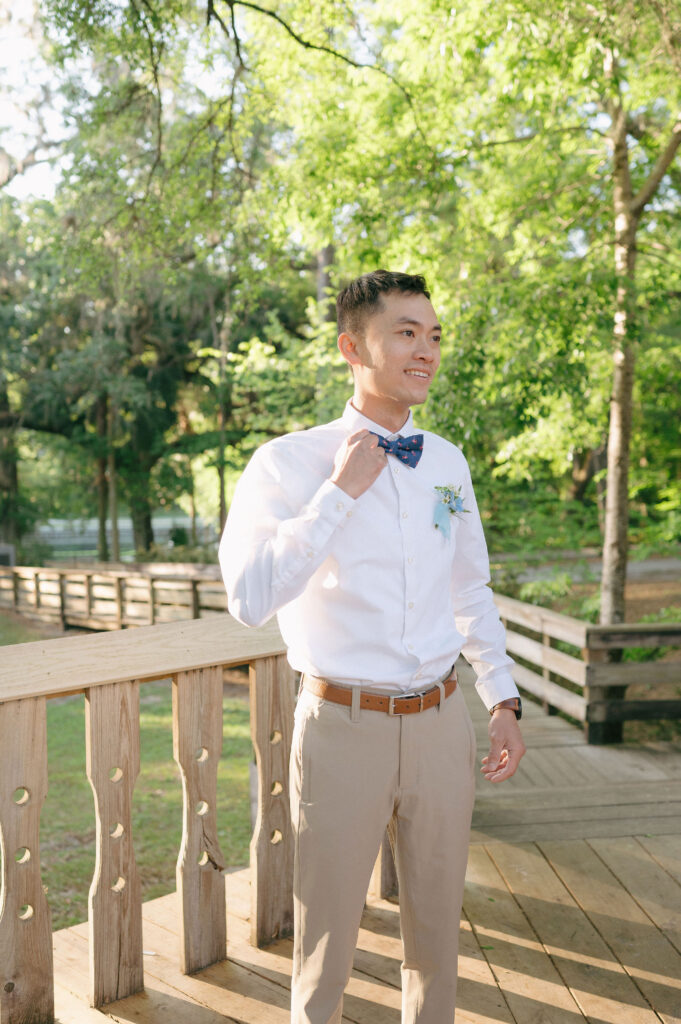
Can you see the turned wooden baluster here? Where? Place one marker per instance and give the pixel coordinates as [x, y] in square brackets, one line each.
[115, 902]
[26, 973]
[197, 744]
[272, 690]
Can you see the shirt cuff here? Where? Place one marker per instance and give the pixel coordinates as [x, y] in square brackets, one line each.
[493, 691]
[332, 504]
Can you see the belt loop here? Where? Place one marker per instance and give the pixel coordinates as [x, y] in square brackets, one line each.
[354, 708]
[441, 687]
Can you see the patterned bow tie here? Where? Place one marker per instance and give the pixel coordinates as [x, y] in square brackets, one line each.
[407, 449]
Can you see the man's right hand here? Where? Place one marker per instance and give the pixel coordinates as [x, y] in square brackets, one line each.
[359, 461]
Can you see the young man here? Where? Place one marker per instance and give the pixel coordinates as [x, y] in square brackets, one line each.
[371, 552]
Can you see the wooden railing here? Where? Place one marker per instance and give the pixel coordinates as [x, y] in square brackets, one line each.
[98, 598]
[110, 668]
[587, 684]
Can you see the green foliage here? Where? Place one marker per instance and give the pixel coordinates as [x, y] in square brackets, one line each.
[171, 279]
[670, 614]
[546, 591]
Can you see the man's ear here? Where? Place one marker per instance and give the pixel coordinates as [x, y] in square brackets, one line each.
[348, 345]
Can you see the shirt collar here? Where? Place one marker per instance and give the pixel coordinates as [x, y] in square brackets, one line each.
[354, 420]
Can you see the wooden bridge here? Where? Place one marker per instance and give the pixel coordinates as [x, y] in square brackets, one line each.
[573, 899]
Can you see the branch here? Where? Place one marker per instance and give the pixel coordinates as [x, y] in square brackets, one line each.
[516, 139]
[11, 168]
[155, 59]
[670, 38]
[646, 193]
[307, 45]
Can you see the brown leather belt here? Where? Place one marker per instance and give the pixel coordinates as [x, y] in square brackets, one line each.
[368, 701]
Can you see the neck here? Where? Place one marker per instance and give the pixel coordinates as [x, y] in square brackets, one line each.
[390, 416]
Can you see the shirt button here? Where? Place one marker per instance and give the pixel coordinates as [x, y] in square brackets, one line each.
[405, 515]
[410, 560]
[410, 647]
[340, 505]
[349, 515]
[396, 470]
[411, 604]
[310, 554]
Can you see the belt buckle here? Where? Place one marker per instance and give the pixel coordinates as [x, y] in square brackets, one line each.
[411, 696]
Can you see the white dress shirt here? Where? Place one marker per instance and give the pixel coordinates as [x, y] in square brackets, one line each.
[366, 590]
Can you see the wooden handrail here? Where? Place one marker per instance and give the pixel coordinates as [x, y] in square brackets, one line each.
[51, 668]
[601, 704]
[109, 668]
[100, 598]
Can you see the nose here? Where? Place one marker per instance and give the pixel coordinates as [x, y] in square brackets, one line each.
[425, 350]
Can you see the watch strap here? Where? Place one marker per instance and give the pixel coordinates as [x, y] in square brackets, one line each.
[512, 703]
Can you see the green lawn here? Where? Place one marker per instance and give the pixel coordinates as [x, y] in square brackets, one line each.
[68, 825]
[15, 630]
[67, 832]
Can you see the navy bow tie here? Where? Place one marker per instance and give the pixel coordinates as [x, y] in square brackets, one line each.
[407, 449]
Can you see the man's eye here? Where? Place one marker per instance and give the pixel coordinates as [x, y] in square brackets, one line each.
[409, 332]
[437, 339]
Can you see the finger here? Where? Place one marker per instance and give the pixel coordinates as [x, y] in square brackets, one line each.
[494, 756]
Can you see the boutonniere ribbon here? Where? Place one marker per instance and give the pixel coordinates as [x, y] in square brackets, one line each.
[449, 503]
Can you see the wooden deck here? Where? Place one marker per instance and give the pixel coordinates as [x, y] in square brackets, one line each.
[572, 909]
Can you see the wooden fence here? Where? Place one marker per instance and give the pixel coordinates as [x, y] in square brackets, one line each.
[585, 681]
[110, 668]
[96, 598]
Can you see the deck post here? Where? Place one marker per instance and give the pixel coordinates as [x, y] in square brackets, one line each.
[549, 709]
[196, 606]
[62, 598]
[197, 743]
[26, 969]
[119, 583]
[601, 732]
[272, 695]
[115, 900]
[152, 610]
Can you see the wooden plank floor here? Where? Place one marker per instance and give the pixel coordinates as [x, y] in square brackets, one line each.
[572, 909]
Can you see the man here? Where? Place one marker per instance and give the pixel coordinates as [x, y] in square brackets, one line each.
[372, 555]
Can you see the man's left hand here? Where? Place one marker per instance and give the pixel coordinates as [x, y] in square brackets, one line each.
[506, 746]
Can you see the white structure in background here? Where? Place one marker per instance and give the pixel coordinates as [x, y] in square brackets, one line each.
[80, 535]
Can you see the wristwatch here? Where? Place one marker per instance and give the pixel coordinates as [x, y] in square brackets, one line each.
[512, 703]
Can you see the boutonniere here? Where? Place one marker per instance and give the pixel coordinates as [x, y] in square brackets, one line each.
[449, 503]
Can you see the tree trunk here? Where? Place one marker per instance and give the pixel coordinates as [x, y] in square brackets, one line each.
[221, 342]
[142, 529]
[113, 487]
[326, 305]
[585, 465]
[619, 439]
[9, 488]
[10, 527]
[101, 481]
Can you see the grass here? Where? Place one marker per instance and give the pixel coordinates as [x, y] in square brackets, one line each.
[15, 630]
[68, 823]
[67, 832]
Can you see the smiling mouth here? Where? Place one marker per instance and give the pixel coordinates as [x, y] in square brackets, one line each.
[418, 373]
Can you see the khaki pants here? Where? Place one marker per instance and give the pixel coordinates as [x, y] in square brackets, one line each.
[353, 774]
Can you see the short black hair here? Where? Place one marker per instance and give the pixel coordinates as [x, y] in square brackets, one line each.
[362, 297]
